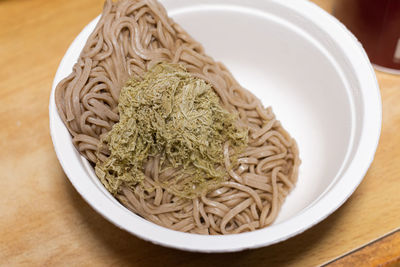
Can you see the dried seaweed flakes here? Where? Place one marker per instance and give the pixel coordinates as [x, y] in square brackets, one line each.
[177, 117]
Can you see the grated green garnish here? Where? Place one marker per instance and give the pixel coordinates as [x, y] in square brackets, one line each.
[177, 117]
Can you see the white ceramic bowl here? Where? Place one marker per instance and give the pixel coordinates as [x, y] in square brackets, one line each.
[295, 57]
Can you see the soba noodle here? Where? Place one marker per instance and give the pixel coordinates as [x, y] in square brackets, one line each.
[132, 36]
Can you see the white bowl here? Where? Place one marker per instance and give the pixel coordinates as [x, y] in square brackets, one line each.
[296, 58]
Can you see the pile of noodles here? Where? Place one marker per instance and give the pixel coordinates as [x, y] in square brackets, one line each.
[132, 36]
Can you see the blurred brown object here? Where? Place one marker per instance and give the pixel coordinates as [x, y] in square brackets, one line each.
[376, 23]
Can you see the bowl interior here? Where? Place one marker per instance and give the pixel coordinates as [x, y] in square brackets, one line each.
[288, 70]
[301, 83]
[287, 62]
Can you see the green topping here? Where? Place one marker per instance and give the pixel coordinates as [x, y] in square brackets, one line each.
[174, 117]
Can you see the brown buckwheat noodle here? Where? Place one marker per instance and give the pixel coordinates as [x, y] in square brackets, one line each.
[132, 36]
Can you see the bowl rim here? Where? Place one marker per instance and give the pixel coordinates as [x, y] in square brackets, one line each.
[326, 205]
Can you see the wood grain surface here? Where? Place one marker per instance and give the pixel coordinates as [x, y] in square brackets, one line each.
[384, 251]
[44, 221]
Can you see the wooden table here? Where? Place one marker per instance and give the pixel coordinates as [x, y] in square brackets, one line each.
[44, 221]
